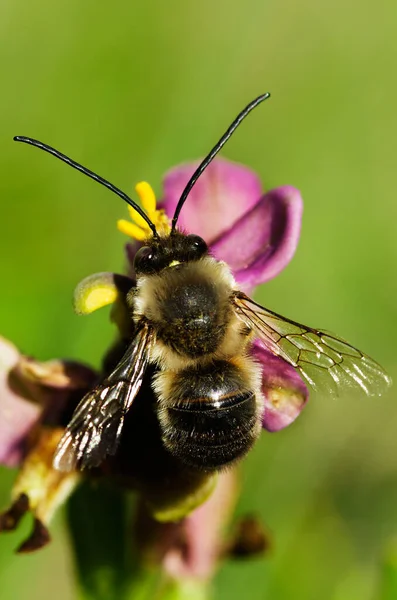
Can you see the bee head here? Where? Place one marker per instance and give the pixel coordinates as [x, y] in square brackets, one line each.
[170, 251]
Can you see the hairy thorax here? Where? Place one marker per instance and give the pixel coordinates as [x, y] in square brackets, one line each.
[189, 307]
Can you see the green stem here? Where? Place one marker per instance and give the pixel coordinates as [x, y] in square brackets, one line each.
[108, 566]
[97, 516]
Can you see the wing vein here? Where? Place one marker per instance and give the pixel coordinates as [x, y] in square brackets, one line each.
[325, 361]
[96, 425]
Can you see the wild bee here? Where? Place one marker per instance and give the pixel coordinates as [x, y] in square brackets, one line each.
[192, 329]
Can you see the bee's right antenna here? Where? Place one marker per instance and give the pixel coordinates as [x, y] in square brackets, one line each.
[204, 164]
[89, 173]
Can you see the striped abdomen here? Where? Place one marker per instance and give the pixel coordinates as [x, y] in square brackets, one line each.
[209, 414]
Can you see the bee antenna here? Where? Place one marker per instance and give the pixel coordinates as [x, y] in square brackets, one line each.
[204, 164]
[89, 173]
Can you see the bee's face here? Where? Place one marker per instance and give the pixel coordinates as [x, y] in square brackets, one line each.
[169, 251]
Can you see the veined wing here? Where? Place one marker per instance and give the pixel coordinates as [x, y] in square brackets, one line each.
[326, 362]
[95, 428]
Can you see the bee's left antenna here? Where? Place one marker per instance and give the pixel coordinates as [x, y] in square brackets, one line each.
[89, 173]
[204, 164]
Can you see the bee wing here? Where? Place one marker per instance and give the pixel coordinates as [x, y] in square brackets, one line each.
[325, 361]
[95, 428]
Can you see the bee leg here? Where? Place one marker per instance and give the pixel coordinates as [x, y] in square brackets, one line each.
[39, 489]
[9, 520]
[39, 538]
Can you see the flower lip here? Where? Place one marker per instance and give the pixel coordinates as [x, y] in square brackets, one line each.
[284, 392]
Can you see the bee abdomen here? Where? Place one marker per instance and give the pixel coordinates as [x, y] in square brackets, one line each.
[212, 437]
[211, 417]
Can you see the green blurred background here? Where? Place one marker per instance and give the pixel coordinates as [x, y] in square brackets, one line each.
[131, 89]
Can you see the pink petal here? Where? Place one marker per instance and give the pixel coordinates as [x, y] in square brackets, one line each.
[283, 389]
[17, 415]
[264, 240]
[223, 193]
[197, 553]
[189, 549]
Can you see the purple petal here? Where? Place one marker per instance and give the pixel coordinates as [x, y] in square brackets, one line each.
[284, 392]
[17, 415]
[191, 548]
[224, 192]
[203, 530]
[264, 240]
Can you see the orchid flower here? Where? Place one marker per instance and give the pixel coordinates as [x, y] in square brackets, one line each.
[256, 234]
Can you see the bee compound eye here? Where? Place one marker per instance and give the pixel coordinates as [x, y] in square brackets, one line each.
[196, 245]
[145, 260]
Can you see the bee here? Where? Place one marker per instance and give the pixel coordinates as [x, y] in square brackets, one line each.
[192, 328]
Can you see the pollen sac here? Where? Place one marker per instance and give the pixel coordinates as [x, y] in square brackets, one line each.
[98, 290]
